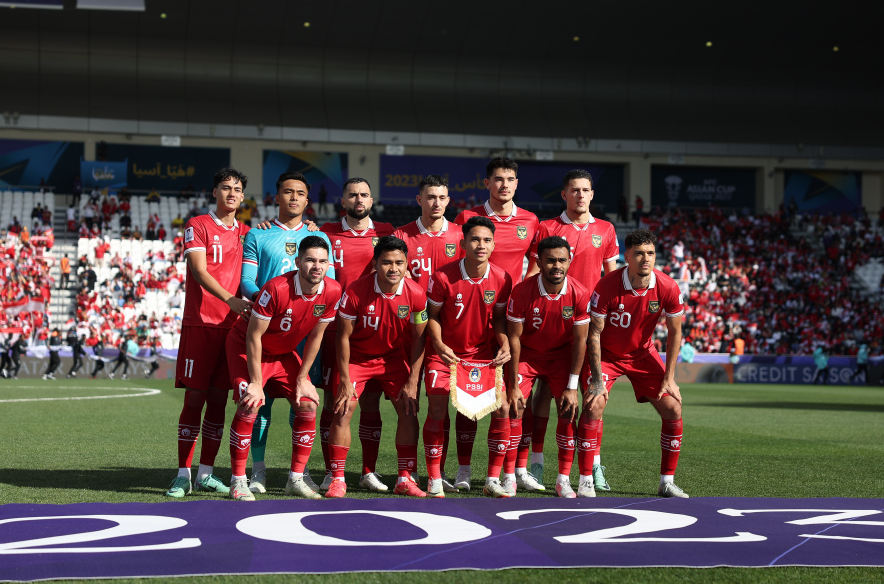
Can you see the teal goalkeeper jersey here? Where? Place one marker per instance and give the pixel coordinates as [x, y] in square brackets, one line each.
[268, 253]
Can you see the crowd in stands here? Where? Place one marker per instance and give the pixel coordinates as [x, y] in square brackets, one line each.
[774, 284]
[25, 283]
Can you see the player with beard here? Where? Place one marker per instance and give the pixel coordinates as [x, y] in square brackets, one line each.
[294, 307]
[374, 313]
[594, 248]
[267, 253]
[548, 323]
[353, 240]
[432, 242]
[625, 308]
[467, 311]
[213, 251]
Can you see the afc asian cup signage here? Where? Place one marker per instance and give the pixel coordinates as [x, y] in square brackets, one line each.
[679, 186]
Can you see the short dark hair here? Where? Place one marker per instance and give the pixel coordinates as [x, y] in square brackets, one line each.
[574, 175]
[311, 242]
[432, 180]
[476, 221]
[552, 242]
[227, 173]
[389, 243]
[501, 162]
[640, 237]
[291, 176]
[354, 181]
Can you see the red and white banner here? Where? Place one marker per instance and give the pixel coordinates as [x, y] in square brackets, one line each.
[24, 304]
[476, 388]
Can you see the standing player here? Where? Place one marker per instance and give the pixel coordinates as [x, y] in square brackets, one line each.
[515, 231]
[353, 240]
[374, 314]
[625, 308]
[213, 251]
[467, 310]
[294, 307]
[548, 324]
[594, 248]
[267, 253]
[432, 242]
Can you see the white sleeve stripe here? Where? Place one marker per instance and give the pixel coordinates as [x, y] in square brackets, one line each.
[514, 319]
[434, 303]
[582, 321]
[597, 315]
[190, 249]
[260, 316]
[347, 316]
[613, 258]
[326, 319]
[253, 262]
[679, 313]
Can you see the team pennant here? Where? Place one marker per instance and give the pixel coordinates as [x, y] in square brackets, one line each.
[476, 388]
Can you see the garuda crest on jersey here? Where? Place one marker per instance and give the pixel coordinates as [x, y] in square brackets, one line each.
[450, 249]
[521, 232]
[291, 247]
[596, 240]
[374, 241]
[567, 312]
[402, 312]
[318, 309]
[489, 296]
[654, 306]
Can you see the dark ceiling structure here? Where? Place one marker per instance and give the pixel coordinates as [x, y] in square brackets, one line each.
[749, 72]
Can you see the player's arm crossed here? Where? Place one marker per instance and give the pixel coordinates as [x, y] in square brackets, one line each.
[253, 397]
[346, 391]
[416, 359]
[434, 331]
[596, 394]
[673, 345]
[196, 261]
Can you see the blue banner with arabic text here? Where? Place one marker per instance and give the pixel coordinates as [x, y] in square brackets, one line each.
[170, 169]
[103, 175]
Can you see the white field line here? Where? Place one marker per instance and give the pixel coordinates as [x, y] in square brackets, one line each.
[146, 392]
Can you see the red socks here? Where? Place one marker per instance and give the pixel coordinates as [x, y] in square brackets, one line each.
[509, 464]
[189, 425]
[407, 454]
[670, 443]
[325, 422]
[447, 430]
[337, 456]
[303, 434]
[598, 442]
[498, 441]
[538, 432]
[566, 434]
[525, 442]
[433, 446]
[465, 429]
[370, 437]
[240, 440]
[213, 425]
[587, 438]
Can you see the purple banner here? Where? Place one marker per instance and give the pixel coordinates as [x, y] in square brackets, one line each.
[95, 540]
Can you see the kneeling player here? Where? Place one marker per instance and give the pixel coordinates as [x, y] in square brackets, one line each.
[261, 352]
[374, 314]
[548, 324]
[625, 308]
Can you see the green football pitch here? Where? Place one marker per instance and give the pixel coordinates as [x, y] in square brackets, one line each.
[739, 441]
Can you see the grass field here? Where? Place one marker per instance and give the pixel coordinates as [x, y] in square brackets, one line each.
[740, 441]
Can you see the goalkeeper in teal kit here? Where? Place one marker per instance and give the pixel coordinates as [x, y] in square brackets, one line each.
[267, 253]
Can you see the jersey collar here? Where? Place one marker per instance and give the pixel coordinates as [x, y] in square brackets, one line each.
[220, 224]
[628, 285]
[298, 284]
[423, 230]
[567, 221]
[548, 296]
[346, 226]
[490, 212]
[398, 291]
[465, 276]
[282, 226]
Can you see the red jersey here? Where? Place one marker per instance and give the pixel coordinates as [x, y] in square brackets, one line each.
[352, 251]
[631, 315]
[548, 319]
[223, 248]
[513, 236]
[428, 251]
[467, 308]
[592, 245]
[292, 315]
[380, 320]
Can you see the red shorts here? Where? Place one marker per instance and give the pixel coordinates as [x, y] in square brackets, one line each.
[645, 373]
[202, 359]
[389, 372]
[437, 375]
[280, 372]
[329, 360]
[554, 371]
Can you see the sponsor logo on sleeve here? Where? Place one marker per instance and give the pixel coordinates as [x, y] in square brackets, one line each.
[510, 305]
[264, 299]
[521, 232]
[343, 303]
[489, 296]
[430, 285]
[450, 249]
[402, 312]
[318, 310]
[596, 241]
[681, 298]
[594, 299]
[654, 306]
[188, 235]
